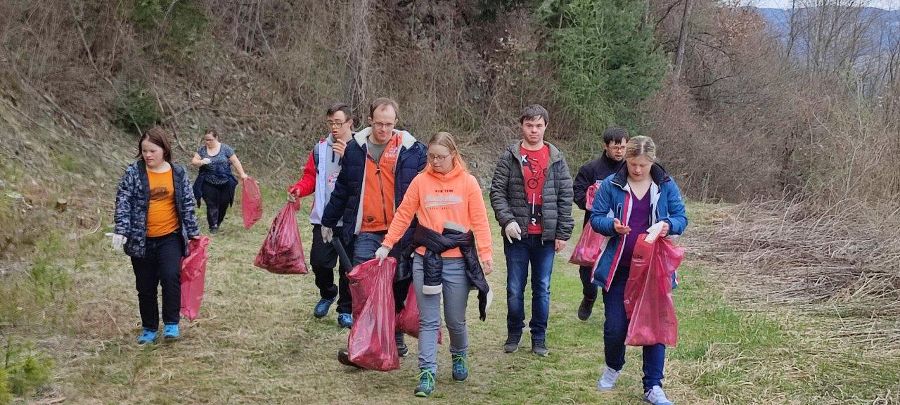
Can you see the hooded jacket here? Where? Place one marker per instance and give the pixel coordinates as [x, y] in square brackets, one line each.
[613, 201]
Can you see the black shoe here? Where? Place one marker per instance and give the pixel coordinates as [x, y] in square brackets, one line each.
[539, 348]
[585, 309]
[214, 230]
[402, 349]
[344, 358]
[512, 344]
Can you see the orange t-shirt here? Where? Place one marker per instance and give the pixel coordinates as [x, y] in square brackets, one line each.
[378, 188]
[162, 219]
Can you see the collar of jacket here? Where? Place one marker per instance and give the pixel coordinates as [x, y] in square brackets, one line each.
[142, 168]
[657, 173]
[406, 142]
[611, 164]
[555, 154]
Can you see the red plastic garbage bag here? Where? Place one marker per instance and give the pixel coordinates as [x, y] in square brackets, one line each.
[193, 277]
[371, 343]
[282, 252]
[587, 250]
[648, 293]
[408, 318]
[251, 202]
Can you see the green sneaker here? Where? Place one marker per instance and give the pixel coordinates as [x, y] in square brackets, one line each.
[460, 367]
[426, 383]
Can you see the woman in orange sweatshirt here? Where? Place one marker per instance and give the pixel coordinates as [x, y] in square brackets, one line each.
[443, 196]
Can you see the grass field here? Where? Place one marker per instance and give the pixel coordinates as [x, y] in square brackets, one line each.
[257, 342]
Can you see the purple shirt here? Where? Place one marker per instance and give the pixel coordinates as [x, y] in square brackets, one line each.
[639, 221]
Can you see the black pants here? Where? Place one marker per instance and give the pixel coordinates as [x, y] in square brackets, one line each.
[323, 257]
[161, 265]
[215, 197]
[587, 282]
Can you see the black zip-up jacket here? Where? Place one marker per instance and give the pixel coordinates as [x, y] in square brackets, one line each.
[593, 171]
[436, 243]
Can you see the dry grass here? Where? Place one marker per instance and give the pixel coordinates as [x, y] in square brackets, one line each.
[256, 341]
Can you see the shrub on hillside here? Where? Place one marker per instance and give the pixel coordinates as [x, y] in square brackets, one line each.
[136, 109]
[176, 25]
[5, 396]
[607, 62]
[25, 370]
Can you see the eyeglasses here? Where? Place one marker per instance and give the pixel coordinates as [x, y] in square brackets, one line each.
[616, 148]
[335, 123]
[383, 124]
[437, 158]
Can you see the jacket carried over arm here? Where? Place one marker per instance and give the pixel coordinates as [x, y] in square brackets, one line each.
[437, 199]
[437, 243]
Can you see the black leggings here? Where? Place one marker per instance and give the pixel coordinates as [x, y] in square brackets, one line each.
[215, 197]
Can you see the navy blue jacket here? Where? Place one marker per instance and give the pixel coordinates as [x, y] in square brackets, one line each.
[345, 200]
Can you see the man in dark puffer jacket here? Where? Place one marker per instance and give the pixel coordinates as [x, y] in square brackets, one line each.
[531, 193]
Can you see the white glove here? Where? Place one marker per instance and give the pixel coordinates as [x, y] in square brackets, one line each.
[327, 234]
[118, 241]
[381, 253]
[513, 231]
[205, 161]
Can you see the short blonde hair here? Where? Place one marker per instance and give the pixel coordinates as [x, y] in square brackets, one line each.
[446, 140]
[641, 146]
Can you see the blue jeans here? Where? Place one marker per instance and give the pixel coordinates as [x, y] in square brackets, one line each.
[616, 327]
[455, 285]
[531, 249]
[364, 247]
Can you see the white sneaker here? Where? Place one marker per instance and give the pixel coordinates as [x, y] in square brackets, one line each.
[608, 380]
[656, 396]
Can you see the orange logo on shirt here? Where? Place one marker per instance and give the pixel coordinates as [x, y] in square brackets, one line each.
[159, 194]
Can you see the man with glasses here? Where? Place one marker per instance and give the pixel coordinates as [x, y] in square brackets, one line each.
[379, 164]
[614, 140]
[319, 175]
[531, 193]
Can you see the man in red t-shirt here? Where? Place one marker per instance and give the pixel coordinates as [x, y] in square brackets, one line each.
[532, 191]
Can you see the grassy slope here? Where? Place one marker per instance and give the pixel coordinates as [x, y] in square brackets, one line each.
[256, 341]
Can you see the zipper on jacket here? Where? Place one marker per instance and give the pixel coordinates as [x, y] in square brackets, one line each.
[381, 188]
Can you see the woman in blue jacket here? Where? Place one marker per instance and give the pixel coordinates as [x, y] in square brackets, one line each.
[628, 202]
[154, 220]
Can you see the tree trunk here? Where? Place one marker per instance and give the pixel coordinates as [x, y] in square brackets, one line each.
[359, 54]
[682, 39]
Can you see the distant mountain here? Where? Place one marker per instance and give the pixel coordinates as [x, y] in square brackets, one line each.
[882, 34]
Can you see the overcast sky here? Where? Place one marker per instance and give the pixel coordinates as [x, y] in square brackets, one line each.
[885, 4]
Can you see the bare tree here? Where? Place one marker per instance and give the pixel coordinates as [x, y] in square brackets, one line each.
[359, 53]
[682, 38]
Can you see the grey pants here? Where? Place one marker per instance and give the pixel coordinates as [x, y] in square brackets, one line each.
[456, 297]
